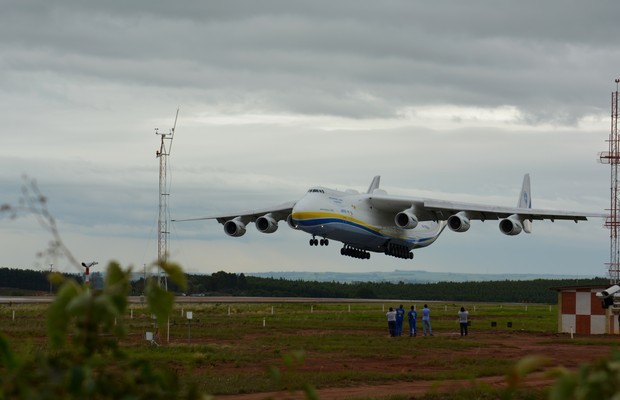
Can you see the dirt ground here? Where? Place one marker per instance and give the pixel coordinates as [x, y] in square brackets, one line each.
[508, 345]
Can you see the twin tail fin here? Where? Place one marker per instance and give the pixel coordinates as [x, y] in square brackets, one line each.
[525, 201]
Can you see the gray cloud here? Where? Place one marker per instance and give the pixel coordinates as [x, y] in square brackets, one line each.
[452, 99]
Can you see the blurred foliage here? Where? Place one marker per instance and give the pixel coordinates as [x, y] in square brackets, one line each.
[83, 359]
[599, 380]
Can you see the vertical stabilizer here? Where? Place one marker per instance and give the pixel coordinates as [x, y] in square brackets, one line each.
[374, 184]
[525, 201]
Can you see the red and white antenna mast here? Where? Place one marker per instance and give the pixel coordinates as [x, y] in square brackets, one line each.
[87, 267]
[162, 232]
[612, 157]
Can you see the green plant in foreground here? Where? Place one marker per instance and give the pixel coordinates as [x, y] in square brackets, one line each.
[92, 365]
[600, 380]
[292, 361]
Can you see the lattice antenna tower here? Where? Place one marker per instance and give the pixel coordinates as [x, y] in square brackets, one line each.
[612, 222]
[162, 232]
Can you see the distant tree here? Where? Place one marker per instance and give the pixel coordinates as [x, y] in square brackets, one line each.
[366, 292]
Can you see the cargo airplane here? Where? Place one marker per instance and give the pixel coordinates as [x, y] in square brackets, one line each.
[377, 222]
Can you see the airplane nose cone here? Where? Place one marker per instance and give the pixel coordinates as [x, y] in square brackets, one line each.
[300, 207]
[302, 210]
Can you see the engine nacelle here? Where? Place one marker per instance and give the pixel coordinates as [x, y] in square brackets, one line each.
[459, 222]
[234, 228]
[511, 226]
[266, 224]
[291, 224]
[406, 219]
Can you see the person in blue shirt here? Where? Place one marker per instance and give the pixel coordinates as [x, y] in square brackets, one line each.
[413, 316]
[400, 316]
[426, 320]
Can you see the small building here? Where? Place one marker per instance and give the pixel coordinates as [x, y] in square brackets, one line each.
[581, 312]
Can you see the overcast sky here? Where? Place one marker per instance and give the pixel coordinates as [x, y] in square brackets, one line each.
[453, 100]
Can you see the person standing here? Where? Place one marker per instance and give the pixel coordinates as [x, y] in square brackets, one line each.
[413, 316]
[400, 317]
[426, 320]
[463, 321]
[391, 318]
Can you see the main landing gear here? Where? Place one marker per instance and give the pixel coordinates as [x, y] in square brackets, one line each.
[355, 253]
[315, 242]
[398, 251]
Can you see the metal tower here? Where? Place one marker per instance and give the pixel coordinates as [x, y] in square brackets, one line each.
[162, 232]
[612, 157]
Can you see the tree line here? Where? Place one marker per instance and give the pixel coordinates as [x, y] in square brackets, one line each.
[223, 283]
[19, 281]
[530, 291]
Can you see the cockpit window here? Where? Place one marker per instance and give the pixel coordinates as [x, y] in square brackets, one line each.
[316, 191]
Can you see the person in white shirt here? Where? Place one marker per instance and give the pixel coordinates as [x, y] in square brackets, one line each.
[391, 317]
[463, 320]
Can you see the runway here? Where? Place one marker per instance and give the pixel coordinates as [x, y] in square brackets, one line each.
[211, 299]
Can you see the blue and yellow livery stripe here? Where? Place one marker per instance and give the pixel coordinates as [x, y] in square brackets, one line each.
[310, 219]
[316, 219]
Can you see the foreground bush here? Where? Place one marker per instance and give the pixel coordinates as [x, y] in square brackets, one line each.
[83, 359]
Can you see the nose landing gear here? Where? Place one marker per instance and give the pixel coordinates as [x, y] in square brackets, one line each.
[316, 242]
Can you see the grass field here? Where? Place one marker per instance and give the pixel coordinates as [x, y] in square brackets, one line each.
[235, 349]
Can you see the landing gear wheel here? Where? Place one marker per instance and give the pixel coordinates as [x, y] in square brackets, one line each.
[315, 242]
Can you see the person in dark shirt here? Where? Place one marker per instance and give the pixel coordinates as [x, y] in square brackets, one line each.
[412, 315]
[400, 317]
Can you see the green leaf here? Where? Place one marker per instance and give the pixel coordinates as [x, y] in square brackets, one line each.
[6, 356]
[523, 367]
[114, 274]
[159, 300]
[56, 278]
[175, 273]
[58, 318]
[117, 286]
[274, 373]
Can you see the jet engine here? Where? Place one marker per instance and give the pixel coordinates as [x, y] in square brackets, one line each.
[266, 224]
[291, 224]
[234, 227]
[511, 226]
[459, 222]
[406, 219]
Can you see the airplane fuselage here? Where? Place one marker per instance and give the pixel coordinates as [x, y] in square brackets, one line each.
[350, 218]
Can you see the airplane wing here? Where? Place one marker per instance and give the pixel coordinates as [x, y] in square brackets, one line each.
[444, 209]
[441, 210]
[279, 212]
